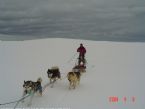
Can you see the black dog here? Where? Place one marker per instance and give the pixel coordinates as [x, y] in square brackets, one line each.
[53, 74]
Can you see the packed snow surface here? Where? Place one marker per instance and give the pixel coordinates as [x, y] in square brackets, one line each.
[114, 69]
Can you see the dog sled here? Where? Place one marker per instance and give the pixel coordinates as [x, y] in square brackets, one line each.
[79, 68]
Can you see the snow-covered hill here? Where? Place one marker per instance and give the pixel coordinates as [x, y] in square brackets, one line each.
[113, 69]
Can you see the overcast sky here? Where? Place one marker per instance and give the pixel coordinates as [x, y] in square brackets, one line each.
[83, 19]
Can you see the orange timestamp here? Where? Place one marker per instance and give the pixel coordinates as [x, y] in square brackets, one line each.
[116, 99]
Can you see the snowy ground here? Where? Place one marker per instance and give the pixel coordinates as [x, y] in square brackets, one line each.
[113, 69]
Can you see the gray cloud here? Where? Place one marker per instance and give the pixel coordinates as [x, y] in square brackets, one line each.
[120, 20]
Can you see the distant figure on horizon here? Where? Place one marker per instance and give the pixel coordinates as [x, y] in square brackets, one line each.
[82, 52]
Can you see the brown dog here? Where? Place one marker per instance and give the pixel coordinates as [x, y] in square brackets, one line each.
[74, 79]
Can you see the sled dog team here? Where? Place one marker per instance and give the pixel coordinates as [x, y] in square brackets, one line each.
[73, 76]
[53, 75]
[31, 87]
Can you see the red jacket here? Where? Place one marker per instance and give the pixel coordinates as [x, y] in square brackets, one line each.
[81, 50]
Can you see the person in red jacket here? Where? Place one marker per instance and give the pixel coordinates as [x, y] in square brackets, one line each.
[82, 52]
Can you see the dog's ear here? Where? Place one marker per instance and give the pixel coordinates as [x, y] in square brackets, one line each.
[24, 81]
[49, 71]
